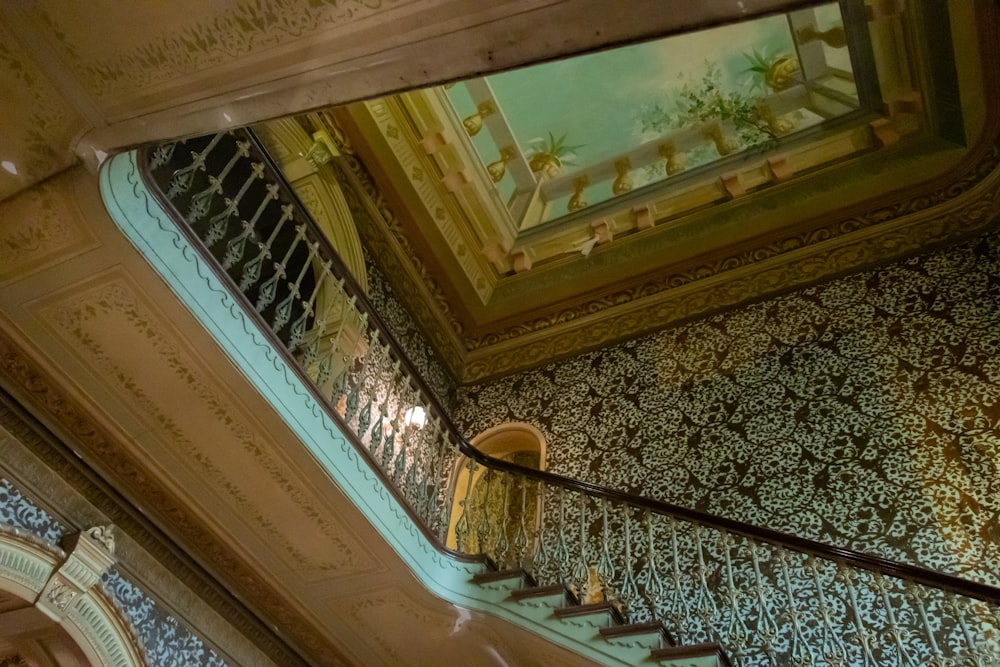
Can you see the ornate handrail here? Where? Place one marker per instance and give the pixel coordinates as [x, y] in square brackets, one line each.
[759, 592]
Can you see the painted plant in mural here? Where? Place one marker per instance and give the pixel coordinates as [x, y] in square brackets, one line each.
[707, 94]
[548, 155]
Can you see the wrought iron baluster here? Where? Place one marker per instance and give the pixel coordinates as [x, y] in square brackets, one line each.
[379, 435]
[315, 348]
[581, 573]
[411, 456]
[269, 289]
[162, 154]
[520, 545]
[484, 528]
[352, 402]
[201, 202]
[561, 551]
[849, 576]
[236, 246]
[801, 652]
[605, 564]
[738, 632]
[283, 311]
[917, 595]
[680, 610]
[435, 434]
[379, 352]
[219, 223]
[652, 582]
[704, 604]
[767, 626]
[629, 587]
[462, 525]
[540, 557]
[297, 332]
[833, 647]
[252, 269]
[503, 541]
[184, 177]
[898, 634]
[972, 654]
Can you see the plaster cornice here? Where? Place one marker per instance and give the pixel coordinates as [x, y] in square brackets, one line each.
[30, 382]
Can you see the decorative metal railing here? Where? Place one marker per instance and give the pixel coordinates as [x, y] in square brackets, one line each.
[767, 597]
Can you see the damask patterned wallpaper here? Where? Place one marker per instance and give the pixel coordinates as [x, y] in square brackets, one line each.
[864, 412]
[408, 335]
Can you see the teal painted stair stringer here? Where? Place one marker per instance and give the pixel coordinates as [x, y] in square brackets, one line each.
[154, 234]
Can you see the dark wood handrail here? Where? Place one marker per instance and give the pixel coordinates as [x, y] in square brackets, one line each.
[850, 557]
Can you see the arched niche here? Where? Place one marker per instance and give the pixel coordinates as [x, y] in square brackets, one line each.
[516, 442]
[63, 586]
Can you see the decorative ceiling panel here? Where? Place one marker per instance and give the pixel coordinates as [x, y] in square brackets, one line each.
[787, 213]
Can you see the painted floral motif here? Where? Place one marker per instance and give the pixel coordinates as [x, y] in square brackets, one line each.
[21, 513]
[864, 412]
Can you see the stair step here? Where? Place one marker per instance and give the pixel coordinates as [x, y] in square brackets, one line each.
[543, 592]
[700, 655]
[654, 630]
[491, 576]
[614, 613]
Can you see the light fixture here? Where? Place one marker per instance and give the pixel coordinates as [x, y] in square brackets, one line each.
[415, 416]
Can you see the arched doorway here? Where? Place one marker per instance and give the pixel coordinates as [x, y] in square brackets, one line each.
[54, 594]
[494, 512]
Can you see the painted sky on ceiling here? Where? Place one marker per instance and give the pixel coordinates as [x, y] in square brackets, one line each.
[596, 100]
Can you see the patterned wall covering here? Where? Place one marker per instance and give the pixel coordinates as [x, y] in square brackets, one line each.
[408, 335]
[21, 513]
[165, 640]
[864, 412]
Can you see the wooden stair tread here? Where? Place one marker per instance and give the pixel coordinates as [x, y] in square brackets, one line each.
[594, 608]
[539, 591]
[500, 575]
[691, 651]
[646, 627]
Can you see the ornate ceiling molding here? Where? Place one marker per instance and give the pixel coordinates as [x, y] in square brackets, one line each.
[52, 400]
[947, 207]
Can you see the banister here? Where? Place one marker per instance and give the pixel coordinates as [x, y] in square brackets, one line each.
[859, 559]
[379, 333]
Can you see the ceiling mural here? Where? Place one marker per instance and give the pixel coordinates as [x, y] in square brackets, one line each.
[610, 119]
[549, 210]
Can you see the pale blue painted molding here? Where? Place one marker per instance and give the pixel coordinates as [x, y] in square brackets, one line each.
[152, 231]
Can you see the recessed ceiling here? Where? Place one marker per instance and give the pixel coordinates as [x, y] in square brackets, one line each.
[694, 173]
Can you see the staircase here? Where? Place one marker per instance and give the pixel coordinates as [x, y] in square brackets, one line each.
[601, 625]
[684, 584]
